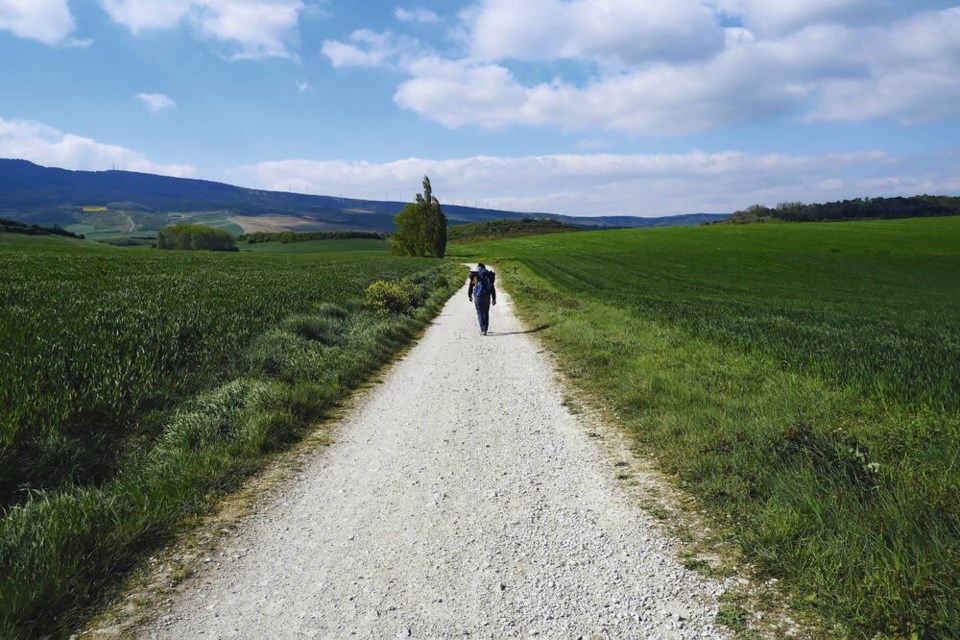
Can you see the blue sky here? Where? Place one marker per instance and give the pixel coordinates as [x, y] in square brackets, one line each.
[587, 107]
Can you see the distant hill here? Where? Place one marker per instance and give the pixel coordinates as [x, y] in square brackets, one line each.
[130, 202]
[857, 209]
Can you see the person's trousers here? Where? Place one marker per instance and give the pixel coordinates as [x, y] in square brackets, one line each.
[482, 303]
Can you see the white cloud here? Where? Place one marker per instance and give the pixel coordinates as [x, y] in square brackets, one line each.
[371, 49]
[252, 28]
[416, 15]
[911, 73]
[48, 21]
[598, 184]
[303, 86]
[368, 49]
[784, 14]
[156, 102]
[780, 16]
[45, 145]
[143, 15]
[609, 31]
[904, 70]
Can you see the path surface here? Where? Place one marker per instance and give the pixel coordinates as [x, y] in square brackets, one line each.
[461, 499]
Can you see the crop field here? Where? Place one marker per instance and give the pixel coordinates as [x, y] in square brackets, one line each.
[803, 380]
[135, 384]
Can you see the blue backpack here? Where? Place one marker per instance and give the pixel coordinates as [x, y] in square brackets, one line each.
[485, 282]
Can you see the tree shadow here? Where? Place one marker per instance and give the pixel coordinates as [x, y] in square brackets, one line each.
[494, 334]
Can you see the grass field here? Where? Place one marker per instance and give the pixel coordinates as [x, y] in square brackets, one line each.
[802, 379]
[137, 385]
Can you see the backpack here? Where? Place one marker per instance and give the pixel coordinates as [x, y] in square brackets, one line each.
[485, 282]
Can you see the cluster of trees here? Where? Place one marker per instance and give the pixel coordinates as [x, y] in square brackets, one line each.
[12, 226]
[286, 237]
[421, 226]
[857, 209]
[506, 228]
[195, 237]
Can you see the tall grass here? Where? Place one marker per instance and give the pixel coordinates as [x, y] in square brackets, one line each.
[803, 380]
[171, 419]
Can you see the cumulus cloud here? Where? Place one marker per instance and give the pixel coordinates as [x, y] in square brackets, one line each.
[910, 73]
[664, 68]
[251, 28]
[620, 31]
[905, 71]
[45, 145]
[48, 21]
[598, 184]
[156, 102]
[416, 15]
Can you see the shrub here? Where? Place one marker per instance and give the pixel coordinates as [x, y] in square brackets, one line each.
[392, 297]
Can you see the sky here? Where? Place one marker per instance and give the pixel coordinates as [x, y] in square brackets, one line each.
[580, 107]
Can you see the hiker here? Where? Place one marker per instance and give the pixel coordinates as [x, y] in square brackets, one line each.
[482, 292]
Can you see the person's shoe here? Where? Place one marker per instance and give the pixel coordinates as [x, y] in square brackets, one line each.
[484, 332]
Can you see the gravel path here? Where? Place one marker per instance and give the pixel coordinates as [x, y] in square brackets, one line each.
[461, 499]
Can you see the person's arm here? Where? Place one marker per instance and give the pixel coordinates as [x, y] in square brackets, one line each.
[470, 288]
[493, 294]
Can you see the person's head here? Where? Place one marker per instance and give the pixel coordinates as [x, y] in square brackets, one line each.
[480, 265]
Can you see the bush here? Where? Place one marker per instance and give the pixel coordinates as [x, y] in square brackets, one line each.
[392, 297]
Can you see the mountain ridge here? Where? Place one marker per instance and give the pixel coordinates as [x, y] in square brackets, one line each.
[35, 194]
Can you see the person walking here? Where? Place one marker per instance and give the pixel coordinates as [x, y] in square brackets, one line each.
[482, 292]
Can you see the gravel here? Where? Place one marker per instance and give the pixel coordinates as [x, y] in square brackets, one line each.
[461, 499]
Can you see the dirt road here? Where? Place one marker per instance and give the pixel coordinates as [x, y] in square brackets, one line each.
[461, 499]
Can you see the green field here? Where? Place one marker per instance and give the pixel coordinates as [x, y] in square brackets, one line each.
[137, 385]
[803, 380]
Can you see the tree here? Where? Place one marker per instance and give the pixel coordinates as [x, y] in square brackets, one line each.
[421, 226]
[195, 237]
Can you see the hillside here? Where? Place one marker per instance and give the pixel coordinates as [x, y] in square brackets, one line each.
[125, 202]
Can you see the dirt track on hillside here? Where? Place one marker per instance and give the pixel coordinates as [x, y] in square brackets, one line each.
[461, 499]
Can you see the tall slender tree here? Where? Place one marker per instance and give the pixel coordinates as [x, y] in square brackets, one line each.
[421, 226]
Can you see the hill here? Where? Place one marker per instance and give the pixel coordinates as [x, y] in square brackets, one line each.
[125, 202]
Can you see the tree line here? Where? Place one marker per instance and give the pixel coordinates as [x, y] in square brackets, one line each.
[12, 226]
[195, 237]
[506, 228]
[286, 237]
[856, 209]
